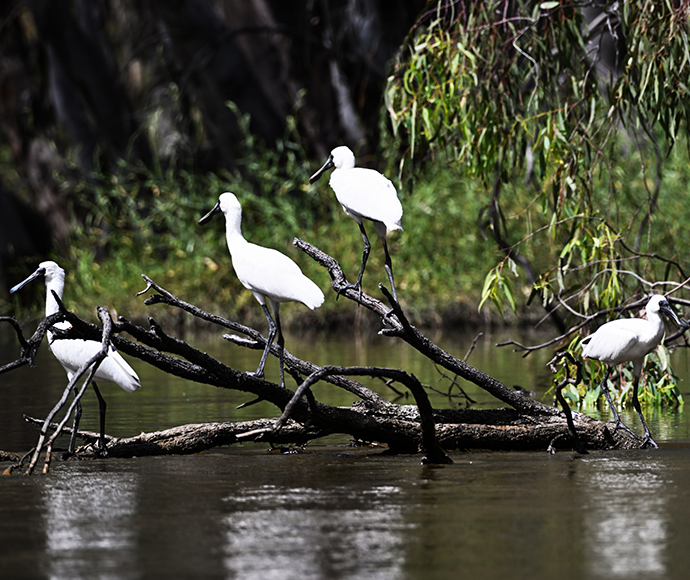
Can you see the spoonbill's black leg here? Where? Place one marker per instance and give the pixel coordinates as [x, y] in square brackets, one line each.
[271, 335]
[101, 412]
[619, 424]
[636, 404]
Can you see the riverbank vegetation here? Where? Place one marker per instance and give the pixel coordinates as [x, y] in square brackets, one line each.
[140, 221]
[539, 149]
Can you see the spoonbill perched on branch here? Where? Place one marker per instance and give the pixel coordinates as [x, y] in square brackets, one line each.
[270, 275]
[364, 194]
[72, 353]
[630, 340]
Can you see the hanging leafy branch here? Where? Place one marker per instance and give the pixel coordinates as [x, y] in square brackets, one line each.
[568, 110]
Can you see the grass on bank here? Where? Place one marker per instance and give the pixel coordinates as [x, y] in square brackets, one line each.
[147, 224]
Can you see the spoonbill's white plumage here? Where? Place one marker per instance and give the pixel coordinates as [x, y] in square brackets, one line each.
[364, 194]
[630, 340]
[270, 275]
[72, 353]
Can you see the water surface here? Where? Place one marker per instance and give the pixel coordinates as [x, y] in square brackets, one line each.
[334, 511]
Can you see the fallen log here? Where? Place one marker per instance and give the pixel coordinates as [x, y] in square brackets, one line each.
[457, 429]
[527, 424]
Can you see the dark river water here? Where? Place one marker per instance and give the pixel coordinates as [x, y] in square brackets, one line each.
[334, 511]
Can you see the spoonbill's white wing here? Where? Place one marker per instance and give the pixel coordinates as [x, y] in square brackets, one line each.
[74, 352]
[621, 340]
[366, 193]
[273, 274]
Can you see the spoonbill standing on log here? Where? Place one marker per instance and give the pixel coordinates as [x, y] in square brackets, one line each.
[630, 340]
[364, 194]
[72, 353]
[270, 275]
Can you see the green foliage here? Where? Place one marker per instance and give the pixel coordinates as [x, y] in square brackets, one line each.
[580, 158]
[141, 221]
[144, 222]
[500, 90]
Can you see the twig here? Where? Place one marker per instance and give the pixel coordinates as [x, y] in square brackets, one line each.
[472, 346]
[29, 348]
[93, 363]
[256, 341]
[559, 395]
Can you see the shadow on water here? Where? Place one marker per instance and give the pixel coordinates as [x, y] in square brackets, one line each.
[335, 511]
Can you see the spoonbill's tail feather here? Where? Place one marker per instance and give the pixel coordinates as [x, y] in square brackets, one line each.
[313, 297]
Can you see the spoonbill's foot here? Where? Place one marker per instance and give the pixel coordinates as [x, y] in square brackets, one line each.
[620, 425]
[649, 442]
[100, 451]
[386, 316]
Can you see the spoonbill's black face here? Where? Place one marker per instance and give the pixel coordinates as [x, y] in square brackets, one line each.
[326, 166]
[665, 307]
[209, 216]
[37, 274]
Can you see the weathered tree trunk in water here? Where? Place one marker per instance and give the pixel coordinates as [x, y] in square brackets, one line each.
[527, 424]
[465, 429]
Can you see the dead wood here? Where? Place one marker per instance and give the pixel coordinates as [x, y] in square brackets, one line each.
[463, 429]
[527, 424]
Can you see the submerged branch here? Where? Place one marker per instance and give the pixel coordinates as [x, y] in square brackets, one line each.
[529, 424]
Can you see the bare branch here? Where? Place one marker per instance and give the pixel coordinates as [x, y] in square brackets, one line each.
[401, 328]
[434, 454]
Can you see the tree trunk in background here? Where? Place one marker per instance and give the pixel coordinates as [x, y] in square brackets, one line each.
[95, 81]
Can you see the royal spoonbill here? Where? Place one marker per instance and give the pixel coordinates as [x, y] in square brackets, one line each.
[270, 275]
[72, 353]
[630, 340]
[364, 194]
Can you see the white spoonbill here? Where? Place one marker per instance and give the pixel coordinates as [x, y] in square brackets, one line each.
[269, 274]
[364, 194]
[72, 353]
[630, 340]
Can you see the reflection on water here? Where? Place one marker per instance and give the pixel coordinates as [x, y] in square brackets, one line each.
[89, 525]
[626, 519]
[306, 533]
[248, 514]
[335, 513]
